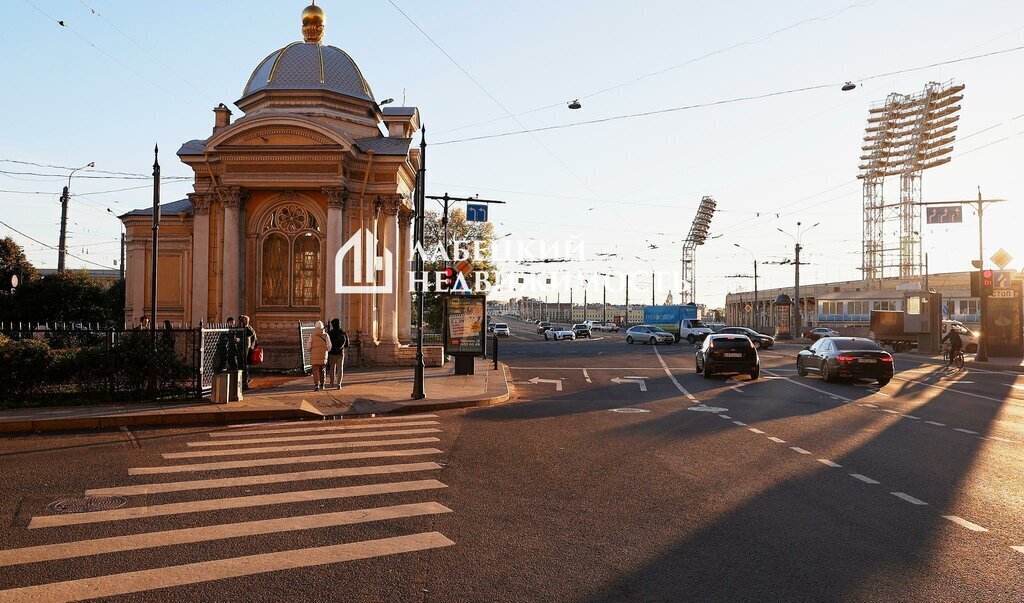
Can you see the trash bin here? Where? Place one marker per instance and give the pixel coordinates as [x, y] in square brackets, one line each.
[227, 387]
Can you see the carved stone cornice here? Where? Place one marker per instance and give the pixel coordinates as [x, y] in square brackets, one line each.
[232, 196]
[337, 196]
[201, 203]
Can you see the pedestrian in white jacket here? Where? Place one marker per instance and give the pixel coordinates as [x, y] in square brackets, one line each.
[319, 345]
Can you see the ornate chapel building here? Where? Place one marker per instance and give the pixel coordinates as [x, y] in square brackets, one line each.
[278, 193]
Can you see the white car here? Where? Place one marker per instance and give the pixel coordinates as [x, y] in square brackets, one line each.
[501, 330]
[819, 332]
[558, 332]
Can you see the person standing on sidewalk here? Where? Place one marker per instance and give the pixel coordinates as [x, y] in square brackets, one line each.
[319, 346]
[336, 357]
[249, 342]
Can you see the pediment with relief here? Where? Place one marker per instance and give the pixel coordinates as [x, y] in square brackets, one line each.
[278, 136]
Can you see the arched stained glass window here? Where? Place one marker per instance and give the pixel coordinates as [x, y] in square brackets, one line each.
[290, 271]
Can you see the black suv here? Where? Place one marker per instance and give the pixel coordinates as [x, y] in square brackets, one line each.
[765, 342]
[581, 330]
[728, 354]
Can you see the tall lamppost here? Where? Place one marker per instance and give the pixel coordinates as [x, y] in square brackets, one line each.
[757, 308]
[651, 266]
[65, 198]
[797, 247]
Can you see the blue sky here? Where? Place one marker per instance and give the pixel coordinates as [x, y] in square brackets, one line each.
[618, 186]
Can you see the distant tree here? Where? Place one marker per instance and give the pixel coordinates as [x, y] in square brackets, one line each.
[13, 261]
[69, 296]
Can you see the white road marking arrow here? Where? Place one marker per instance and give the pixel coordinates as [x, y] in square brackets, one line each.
[557, 382]
[641, 382]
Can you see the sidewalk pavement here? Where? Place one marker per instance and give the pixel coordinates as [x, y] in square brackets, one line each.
[365, 393]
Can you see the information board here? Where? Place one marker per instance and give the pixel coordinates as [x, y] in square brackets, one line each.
[466, 324]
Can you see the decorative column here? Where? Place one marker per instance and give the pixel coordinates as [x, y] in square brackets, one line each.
[200, 256]
[389, 301]
[333, 301]
[231, 302]
[404, 264]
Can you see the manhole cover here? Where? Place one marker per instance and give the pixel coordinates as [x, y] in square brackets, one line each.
[702, 408]
[629, 411]
[86, 504]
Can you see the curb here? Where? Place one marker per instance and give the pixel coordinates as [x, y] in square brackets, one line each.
[497, 393]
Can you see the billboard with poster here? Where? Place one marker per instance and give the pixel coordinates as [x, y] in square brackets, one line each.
[466, 329]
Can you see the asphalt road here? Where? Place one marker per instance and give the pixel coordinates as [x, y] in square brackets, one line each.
[618, 474]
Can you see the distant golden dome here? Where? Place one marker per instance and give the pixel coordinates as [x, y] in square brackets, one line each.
[313, 21]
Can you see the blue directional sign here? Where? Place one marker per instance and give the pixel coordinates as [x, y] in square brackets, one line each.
[476, 212]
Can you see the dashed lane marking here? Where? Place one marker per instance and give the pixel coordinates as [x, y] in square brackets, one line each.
[776, 440]
[134, 542]
[758, 431]
[285, 460]
[912, 417]
[799, 449]
[586, 376]
[740, 423]
[308, 438]
[331, 427]
[811, 387]
[910, 499]
[889, 410]
[970, 525]
[238, 502]
[253, 480]
[864, 478]
[961, 393]
[935, 423]
[144, 580]
[725, 416]
[868, 405]
[829, 463]
[967, 431]
[296, 448]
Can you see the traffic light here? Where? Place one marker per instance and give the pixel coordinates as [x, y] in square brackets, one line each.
[445, 284]
[982, 283]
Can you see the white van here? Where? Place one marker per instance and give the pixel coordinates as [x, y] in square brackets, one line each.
[969, 337]
[693, 330]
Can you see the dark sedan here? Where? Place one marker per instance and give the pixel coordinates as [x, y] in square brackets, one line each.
[764, 342]
[727, 354]
[846, 357]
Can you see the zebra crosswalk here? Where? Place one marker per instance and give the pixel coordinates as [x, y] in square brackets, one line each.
[286, 484]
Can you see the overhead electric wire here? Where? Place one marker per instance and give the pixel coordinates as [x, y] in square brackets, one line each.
[141, 177]
[48, 246]
[750, 42]
[720, 102]
[91, 170]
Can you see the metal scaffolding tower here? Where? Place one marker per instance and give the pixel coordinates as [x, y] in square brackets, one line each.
[697, 236]
[905, 135]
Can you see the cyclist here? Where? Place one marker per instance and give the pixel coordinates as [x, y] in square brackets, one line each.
[955, 343]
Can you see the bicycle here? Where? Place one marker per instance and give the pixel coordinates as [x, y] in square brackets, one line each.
[955, 362]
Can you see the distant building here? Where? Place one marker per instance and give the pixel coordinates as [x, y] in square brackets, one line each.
[278, 193]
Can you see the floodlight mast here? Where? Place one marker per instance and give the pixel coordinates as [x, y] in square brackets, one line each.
[697, 236]
[905, 135]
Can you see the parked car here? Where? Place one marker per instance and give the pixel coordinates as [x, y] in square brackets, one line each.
[819, 332]
[581, 330]
[558, 333]
[721, 353]
[764, 342]
[543, 326]
[501, 329]
[649, 334]
[610, 327]
[851, 357]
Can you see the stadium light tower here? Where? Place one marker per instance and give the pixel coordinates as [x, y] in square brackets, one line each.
[905, 135]
[697, 236]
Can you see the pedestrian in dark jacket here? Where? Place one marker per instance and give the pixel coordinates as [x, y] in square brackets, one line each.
[336, 357]
[248, 344]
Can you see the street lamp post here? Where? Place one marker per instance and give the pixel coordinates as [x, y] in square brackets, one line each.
[65, 198]
[797, 247]
[757, 320]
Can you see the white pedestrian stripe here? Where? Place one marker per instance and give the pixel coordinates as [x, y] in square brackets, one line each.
[829, 463]
[146, 540]
[910, 499]
[145, 580]
[295, 448]
[970, 525]
[776, 440]
[253, 480]
[286, 460]
[864, 478]
[238, 502]
[800, 450]
[312, 438]
[302, 423]
[725, 416]
[757, 431]
[740, 423]
[332, 426]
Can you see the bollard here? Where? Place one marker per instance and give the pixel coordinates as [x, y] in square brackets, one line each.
[494, 351]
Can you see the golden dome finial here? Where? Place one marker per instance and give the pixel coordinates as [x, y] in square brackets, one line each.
[313, 21]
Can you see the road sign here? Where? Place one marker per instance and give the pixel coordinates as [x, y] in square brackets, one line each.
[476, 212]
[1001, 258]
[945, 214]
[1002, 279]
[748, 307]
[1004, 294]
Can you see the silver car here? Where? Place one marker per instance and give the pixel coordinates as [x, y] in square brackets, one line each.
[649, 334]
[501, 329]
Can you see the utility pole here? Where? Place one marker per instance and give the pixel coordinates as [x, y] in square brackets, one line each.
[65, 199]
[156, 242]
[626, 320]
[797, 304]
[979, 206]
[418, 384]
[604, 300]
[585, 316]
[572, 315]
[652, 290]
[756, 308]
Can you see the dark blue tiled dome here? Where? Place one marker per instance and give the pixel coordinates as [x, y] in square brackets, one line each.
[309, 66]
